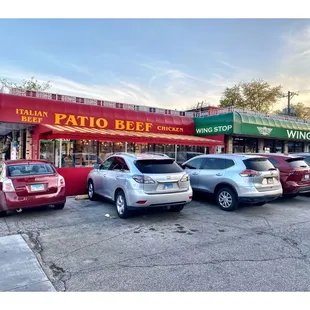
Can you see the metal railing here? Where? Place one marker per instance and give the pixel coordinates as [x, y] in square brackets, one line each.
[212, 110]
[96, 102]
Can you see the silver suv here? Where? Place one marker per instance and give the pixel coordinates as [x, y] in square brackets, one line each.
[235, 179]
[140, 180]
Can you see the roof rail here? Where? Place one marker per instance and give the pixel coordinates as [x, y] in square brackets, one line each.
[158, 154]
[125, 153]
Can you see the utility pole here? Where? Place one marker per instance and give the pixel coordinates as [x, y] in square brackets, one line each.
[290, 96]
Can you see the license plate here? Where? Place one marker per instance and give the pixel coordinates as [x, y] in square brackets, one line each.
[168, 185]
[307, 176]
[270, 181]
[37, 187]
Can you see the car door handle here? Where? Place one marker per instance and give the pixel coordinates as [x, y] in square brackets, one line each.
[195, 173]
[119, 177]
[219, 174]
[104, 175]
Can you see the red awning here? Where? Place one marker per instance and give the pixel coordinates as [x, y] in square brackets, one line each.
[76, 133]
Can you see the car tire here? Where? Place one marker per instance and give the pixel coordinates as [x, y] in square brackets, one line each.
[121, 205]
[91, 191]
[227, 199]
[178, 208]
[3, 213]
[59, 206]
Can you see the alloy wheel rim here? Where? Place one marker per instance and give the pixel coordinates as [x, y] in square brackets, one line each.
[225, 199]
[90, 190]
[120, 204]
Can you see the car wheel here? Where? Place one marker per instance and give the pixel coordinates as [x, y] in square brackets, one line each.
[226, 199]
[59, 206]
[91, 191]
[3, 213]
[176, 208]
[121, 205]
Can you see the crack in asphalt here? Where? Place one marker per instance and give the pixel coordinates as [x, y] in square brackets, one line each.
[214, 262]
[98, 242]
[37, 248]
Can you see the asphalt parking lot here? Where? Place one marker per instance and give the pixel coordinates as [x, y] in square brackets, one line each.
[86, 247]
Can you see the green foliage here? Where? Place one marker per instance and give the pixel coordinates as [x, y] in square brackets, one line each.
[30, 84]
[256, 95]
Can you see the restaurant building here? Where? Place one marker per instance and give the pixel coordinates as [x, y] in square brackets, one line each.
[75, 133]
[244, 131]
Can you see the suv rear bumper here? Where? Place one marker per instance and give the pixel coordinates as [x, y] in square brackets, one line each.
[251, 200]
[158, 200]
[261, 196]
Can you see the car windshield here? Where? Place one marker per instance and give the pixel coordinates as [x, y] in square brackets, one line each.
[162, 166]
[30, 169]
[258, 164]
[297, 163]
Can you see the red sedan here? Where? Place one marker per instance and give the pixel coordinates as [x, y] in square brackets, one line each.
[294, 173]
[28, 184]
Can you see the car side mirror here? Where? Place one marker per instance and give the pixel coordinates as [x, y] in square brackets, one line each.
[96, 166]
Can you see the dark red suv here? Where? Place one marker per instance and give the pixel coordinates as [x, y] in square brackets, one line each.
[294, 173]
[29, 184]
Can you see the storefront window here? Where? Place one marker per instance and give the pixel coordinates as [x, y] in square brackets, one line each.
[250, 145]
[238, 145]
[278, 146]
[119, 147]
[295, 147]
[47, 150]
[105, 149]
[299, 147]
[141, 148]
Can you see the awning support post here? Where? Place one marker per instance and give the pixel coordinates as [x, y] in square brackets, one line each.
[175, 151]
[60, 152]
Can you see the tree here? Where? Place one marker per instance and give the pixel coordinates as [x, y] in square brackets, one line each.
[30, 84]
[301, 111]
[256, 95]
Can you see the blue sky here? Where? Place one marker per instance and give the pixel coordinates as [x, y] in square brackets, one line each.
[165, 63]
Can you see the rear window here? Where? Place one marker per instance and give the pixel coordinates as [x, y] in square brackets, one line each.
[258, 164]
[307, 160]
[30, 169]
[297, 163]
[161, 166]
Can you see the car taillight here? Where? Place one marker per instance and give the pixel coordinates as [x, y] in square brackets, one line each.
[292, 172]
[61, 181]
[185, 178]
[249, 173]
[7, 186]
[143, 179]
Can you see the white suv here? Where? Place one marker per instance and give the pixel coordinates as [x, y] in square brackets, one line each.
[140, 180]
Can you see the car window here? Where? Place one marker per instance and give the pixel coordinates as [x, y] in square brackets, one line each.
[195, 163]
[297, 163]
[214, 163]
[273, 161]
[161, 166]
[258, 164]
[106, 165]
[119, 164]
[307, 160]
[30, 169]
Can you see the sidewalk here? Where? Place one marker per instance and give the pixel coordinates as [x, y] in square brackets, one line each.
[19, 268]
